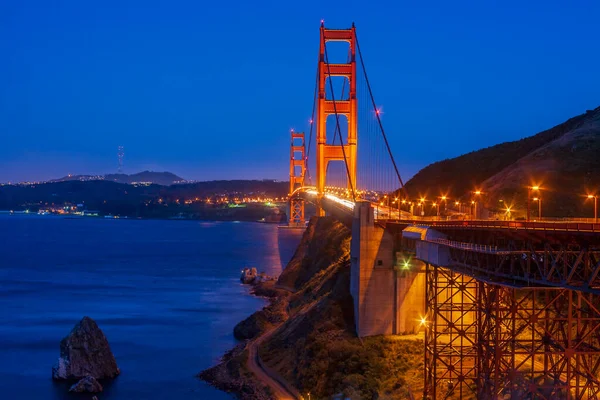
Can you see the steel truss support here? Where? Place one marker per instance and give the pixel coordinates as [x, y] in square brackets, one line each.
[451, 334]
[566, 266]
[528, 343]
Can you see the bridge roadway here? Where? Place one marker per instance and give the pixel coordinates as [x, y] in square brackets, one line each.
[344, 209]
[564, 254]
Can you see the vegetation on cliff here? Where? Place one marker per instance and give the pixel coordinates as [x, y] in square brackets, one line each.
[562, 160]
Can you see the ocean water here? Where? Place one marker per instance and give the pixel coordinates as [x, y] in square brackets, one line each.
[165, 293]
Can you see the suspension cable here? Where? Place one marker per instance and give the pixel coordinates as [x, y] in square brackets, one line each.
[378, 118]
[337, 121]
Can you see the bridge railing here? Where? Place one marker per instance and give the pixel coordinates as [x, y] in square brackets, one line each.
[480, 248]
[568, 225]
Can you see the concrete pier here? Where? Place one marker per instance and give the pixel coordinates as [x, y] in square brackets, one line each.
[387, 300]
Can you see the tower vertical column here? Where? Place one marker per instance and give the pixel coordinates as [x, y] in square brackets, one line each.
[296, 205]
[341, 107]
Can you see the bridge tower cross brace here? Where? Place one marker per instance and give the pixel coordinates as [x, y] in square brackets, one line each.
[336, 107]
[298, 147]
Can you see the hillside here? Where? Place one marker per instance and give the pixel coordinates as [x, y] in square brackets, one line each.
[195, 200]
[562, 160]
[158, 178]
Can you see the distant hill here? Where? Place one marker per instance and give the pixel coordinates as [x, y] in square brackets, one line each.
[563, 160]
[147, 201]
[158, 178]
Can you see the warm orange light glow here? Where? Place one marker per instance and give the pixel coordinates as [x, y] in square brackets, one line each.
[456, 203]
[535, 199]
[478, 192]
[591, 196]
[422, 199]
[535, 188]
[423, 321]
[444, 198]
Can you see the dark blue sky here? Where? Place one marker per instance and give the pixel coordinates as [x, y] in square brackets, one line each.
[209, 90]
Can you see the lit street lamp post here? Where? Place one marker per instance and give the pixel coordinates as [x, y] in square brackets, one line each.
[529, 189]
[539, 200]
[475, 213]
[593, 196]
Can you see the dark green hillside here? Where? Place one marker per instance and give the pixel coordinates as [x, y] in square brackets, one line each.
[461, 174]
[563, 160]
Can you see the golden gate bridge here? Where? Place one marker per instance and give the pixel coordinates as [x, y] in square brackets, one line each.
[510, 309]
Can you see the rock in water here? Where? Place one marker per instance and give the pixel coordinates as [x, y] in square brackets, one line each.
[248, 275]
[85, 352]
[88, 384]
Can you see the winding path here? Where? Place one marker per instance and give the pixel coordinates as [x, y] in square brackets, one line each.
[255, 365]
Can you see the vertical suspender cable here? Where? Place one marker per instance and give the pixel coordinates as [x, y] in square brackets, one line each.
[378, 118]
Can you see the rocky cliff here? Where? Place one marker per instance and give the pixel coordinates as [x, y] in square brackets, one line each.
[311, 342]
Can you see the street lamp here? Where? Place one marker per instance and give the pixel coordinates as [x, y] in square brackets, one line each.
[539, 200]
[593, 196]
[529, 190]
[477, 193]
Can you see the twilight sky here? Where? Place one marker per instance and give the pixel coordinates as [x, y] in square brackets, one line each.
[209, 90]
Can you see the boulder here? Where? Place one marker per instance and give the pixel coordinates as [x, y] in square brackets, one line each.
[85, 352]
[89, 384]
[248, 275]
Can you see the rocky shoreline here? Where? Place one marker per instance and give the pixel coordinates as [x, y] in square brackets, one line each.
[305, 336]
[231, 374]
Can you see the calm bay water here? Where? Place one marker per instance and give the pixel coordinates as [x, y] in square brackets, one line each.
[165, 293]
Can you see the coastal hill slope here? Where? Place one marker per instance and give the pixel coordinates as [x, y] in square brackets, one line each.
[562, 160]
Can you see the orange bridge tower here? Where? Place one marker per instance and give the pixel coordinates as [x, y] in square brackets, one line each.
[297, 174]
[330, 106]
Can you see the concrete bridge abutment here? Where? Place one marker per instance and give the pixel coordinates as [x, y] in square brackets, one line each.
[388, 299]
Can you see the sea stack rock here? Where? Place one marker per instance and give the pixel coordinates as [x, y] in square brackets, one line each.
[89, 384]
[85, 352]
